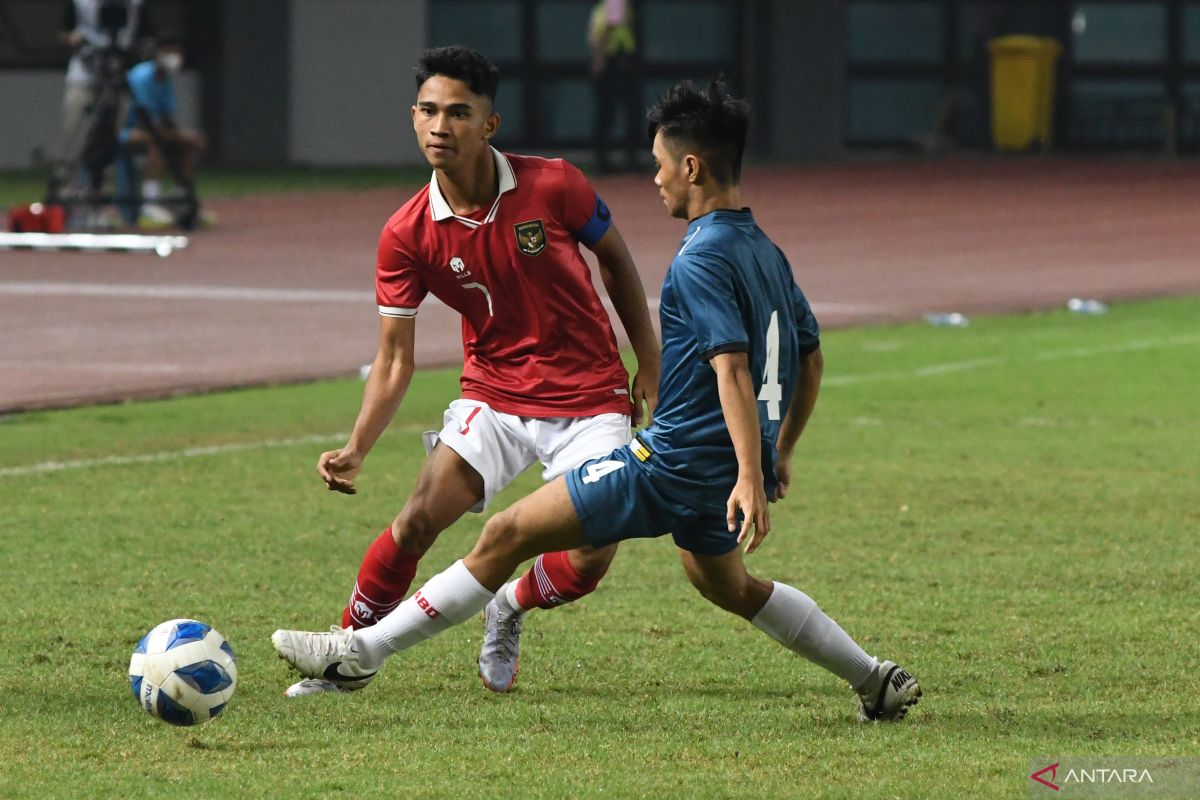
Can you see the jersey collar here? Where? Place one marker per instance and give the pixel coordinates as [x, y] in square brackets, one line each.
[441, 210]
[741, 215]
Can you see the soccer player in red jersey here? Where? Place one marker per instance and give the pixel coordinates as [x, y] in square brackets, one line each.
[743, 365]
[496, 237]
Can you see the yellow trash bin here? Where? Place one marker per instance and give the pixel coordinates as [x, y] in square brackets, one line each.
[1023, 91]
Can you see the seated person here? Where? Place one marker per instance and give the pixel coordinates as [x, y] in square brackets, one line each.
[150, 126]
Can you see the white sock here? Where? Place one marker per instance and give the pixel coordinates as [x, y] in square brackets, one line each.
[150, 190]
[509, 592]
[446, 599]
[792, 618]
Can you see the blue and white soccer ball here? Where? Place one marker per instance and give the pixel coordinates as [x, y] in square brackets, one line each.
[183, 672]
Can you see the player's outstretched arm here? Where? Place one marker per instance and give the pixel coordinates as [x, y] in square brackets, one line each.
[624, 287]
[804, 399]
[391, 372]
[738, 403]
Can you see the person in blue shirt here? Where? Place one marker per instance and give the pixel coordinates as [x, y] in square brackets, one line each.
[742, 367]
[150, 127]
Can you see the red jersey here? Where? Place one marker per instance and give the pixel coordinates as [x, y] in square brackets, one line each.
[536, 339]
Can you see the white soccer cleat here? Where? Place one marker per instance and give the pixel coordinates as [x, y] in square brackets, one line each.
[501, 650]
[314, 686]
[331, 656]
[888, 696]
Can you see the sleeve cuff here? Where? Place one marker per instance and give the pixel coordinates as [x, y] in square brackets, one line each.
[390, 311]
[728, 347]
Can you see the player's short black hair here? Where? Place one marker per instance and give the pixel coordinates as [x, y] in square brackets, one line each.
[709, 119]
[463, 64]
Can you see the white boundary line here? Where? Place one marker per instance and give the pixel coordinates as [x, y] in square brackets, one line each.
[931, 370]
[935, 370]
[171, 455]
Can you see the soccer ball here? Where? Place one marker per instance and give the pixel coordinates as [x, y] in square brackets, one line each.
[183, 672]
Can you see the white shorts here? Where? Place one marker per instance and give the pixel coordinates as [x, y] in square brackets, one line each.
[500, 446]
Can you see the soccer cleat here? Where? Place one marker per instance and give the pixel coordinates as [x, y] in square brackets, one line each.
[329, 656]
[314, 686]
[888, 695]
[501, 646]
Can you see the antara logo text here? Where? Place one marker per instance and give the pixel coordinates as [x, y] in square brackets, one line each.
[1080, 775]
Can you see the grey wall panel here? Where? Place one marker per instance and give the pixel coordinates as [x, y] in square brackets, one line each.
[352, 80]
[254, 82]
[807, 77]
[35, 100]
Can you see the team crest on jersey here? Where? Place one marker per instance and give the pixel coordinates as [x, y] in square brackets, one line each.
[531, 237]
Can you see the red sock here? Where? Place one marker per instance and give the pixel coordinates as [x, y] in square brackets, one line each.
[383, 579]
[552, 581]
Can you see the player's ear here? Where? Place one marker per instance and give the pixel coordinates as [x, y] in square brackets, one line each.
[691, 168]
[413, 112]
[491, 125]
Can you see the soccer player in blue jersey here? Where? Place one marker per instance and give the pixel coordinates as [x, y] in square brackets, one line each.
[741, 371]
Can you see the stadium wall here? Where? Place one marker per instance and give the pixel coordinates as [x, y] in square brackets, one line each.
[248, 117]
[351, 82]
[806, 81]
[33, 103]
[328, 82]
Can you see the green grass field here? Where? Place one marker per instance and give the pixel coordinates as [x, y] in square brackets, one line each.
[1010, 510]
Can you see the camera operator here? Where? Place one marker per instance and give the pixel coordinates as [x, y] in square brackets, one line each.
[150, 128]
[93, 29]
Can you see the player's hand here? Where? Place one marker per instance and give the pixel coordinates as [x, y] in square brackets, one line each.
[783, 477]
[749, 497]
[338, 468]
[644, 390]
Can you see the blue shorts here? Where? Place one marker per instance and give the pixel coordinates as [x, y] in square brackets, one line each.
[616, 498]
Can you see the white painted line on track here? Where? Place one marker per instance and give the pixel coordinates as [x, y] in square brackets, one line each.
[255, 294]
[171, 455]
[147, 292]
[54, 365]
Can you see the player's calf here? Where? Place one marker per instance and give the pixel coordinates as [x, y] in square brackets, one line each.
[724, 582]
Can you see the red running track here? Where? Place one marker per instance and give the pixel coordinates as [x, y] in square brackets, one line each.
[282, 290]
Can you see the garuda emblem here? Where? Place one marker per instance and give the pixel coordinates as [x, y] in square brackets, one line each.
[531, 237]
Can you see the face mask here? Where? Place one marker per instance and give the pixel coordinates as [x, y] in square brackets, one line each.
[171, 62]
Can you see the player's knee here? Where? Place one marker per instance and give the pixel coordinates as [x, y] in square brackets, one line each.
[415, 531]
[501, 536]
[710, 591]
[593, 562]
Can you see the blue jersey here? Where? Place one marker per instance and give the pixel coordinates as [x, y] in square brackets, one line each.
[729, 289]
[147, 92]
